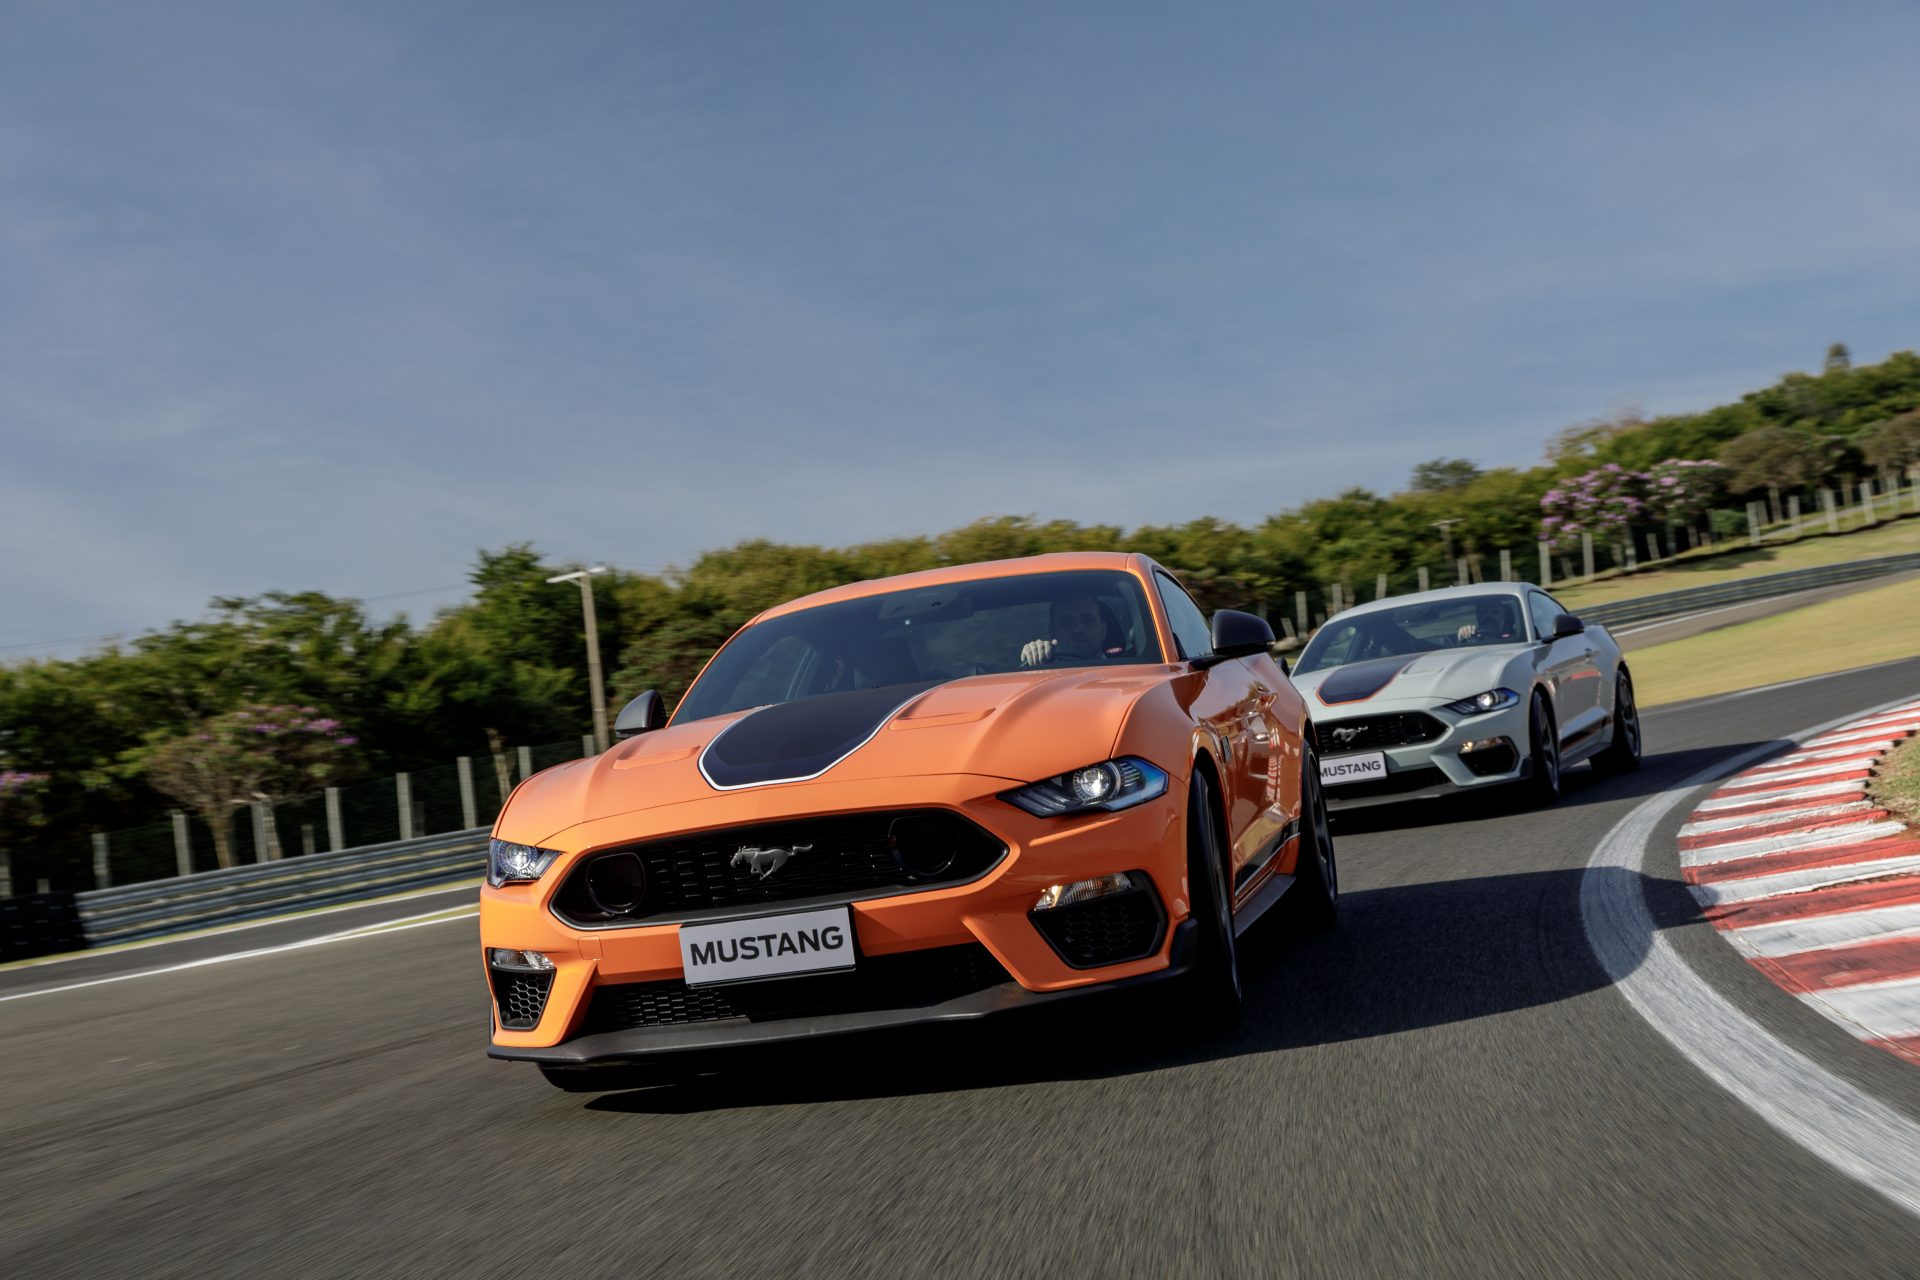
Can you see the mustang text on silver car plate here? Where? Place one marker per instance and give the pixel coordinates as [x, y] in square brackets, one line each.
[767, 946]
[1353, 768]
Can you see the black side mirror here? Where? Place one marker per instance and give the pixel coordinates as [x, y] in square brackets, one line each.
[1236, 635]
[643, 715]
[1567, 625]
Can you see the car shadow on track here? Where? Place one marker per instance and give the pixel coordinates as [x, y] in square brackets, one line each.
[1581, 785]
[1403, 959]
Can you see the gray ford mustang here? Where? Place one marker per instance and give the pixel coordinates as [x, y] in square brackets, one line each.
[1463, 689]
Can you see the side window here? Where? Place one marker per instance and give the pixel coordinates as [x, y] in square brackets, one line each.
[1543, 611]
[1190, 629]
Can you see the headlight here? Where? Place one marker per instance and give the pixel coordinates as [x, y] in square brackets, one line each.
[1481, 703]
[1105, 787]
[509, 863]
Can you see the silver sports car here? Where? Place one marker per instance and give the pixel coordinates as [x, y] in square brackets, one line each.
[1461, 689]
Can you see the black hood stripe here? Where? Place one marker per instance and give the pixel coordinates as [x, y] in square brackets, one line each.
[800, 740]
[1358, 681]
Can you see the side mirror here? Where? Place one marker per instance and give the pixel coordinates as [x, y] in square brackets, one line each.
[1567, 625]
[1286, 669]
[643, 715]
[1237, 635]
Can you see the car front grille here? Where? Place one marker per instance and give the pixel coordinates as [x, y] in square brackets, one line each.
[846, 855]
[1376, 733]
[906, 980]
[1110, 930]
[520, 997]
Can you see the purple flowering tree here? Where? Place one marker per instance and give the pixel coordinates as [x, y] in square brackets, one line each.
[255, 753]
[1605, 502]
[1680, 491]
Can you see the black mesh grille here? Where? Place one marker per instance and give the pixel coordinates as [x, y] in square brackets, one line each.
[847, 854]
[1392, 785]
[1111, 930]
[520, 997]
[910, 980]
[1376, 733]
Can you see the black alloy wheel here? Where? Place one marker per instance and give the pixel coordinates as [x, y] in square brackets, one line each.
[1543, 787]
[1213, 989]
[1316, 875]
[1622, 754]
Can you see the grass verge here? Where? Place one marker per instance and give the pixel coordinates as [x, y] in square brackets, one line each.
[1855, 631]
[1889, 539]
[1896, 783]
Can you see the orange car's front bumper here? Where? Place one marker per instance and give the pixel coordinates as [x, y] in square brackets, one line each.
[992, 911]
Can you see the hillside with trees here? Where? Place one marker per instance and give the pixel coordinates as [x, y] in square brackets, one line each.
[108, 740]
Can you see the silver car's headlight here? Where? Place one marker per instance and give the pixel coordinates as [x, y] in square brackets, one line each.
[1481, 703]
[1104, 787]
[509, 863]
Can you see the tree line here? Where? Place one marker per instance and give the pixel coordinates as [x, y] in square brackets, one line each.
[113, 738]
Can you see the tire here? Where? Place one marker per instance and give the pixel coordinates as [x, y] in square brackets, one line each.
[1316, 882]
[1543, 749]
[1622, 755]
[1212, 992]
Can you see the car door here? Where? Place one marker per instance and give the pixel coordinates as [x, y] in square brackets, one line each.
[1571, 669]
[1238, 703]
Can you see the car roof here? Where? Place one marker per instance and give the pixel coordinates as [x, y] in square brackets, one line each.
[1052, 562]
[1440, 594]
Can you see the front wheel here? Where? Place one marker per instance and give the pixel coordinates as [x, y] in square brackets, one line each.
[1213, 988]
[1316, 875]
[1543, 787]
[1622, 754]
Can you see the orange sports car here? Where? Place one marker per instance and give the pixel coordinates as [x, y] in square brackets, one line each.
[931, 797]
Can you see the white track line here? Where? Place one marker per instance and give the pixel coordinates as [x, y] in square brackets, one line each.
[1837, 837]
[1823, 933]
[1746, 783]
[368, 931]
[1884, 1010]
[1726, 892]
[1789, 793]
[1849, 1129]
[1802, 813]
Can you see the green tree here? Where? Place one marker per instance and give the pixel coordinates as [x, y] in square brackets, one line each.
[1443, 475]
[1775, 458]
[1893, 445]
[1839, 360]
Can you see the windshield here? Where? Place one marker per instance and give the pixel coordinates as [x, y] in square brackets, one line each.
[1038, 620]
[1454, 623]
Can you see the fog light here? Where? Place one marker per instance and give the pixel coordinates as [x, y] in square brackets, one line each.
[1484, 744]
[523, 961]
[1066, 895]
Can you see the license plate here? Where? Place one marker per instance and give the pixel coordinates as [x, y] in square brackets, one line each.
[1353, 768]
[767, 946]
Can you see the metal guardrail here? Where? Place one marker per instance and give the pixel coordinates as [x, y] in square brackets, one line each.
[129, 913]
[1672, 604]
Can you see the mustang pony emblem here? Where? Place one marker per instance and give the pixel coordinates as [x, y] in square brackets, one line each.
[764, 862]
[1342, 737]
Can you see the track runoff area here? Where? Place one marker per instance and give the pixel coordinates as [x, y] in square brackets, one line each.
[1524, 1051]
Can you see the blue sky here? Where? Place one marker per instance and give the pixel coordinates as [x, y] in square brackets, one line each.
[329, 296]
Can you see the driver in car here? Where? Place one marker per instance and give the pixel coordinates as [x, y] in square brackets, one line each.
[1494, 622]
[1079, 635]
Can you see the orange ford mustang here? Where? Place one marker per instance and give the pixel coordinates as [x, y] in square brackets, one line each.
[931, 797]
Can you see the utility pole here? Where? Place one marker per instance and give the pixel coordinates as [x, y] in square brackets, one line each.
[585, 578]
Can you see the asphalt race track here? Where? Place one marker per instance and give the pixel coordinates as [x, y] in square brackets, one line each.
[1445, 1086]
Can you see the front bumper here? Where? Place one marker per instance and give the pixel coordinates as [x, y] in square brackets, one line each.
[1435, 769]
[613, 1048]
[990, 912]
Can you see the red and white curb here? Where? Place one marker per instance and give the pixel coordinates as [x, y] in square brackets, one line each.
[1814, 884]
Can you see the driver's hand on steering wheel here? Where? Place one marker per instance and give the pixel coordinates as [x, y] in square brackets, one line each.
[1037, 653]
[1467, 632]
